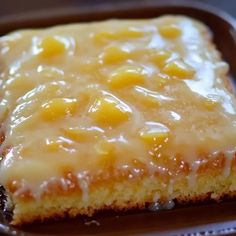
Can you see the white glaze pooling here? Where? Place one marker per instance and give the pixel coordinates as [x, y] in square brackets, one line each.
[194, 109]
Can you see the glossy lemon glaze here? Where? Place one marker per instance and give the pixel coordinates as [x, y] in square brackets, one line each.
[79, 98]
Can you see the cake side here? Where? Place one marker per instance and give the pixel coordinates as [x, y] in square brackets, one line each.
[69, 198]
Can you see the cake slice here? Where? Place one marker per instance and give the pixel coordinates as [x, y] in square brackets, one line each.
[114, 115]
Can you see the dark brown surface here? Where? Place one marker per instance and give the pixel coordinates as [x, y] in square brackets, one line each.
[181, 220]
[218, 218]
[9, 7]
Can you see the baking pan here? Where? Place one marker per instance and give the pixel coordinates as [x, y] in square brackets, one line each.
[207, 219]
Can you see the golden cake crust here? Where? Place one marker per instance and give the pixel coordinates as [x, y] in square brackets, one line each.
[67, 198]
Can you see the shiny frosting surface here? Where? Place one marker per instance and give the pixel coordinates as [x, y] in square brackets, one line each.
[82, 98]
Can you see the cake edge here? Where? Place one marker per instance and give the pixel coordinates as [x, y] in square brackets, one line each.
[129, 194]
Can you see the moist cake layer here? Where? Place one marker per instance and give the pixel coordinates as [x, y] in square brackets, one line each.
[111, 102]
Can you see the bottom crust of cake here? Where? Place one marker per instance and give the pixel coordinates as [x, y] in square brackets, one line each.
[121, 196]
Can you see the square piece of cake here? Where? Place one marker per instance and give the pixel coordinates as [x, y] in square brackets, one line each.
[114, 115]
